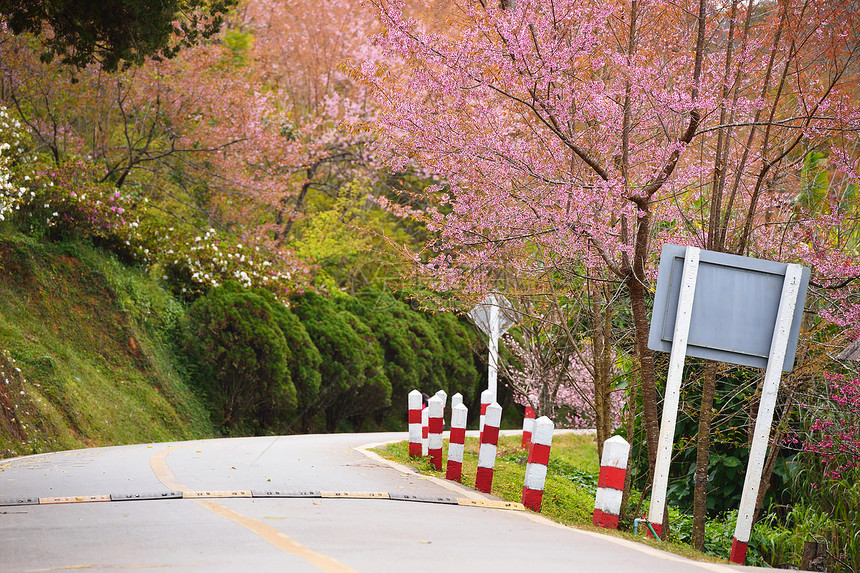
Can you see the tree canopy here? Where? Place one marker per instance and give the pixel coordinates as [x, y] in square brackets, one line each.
[114, 33]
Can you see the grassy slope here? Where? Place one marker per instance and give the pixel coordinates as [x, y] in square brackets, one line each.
[92, 340]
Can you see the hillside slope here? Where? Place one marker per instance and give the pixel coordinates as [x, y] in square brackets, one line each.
[87, 353]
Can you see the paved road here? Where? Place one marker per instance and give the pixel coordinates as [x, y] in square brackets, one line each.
[292, 534]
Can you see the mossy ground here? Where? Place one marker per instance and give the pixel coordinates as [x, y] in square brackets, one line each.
[88, 352]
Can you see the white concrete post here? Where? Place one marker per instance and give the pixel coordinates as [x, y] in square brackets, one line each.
[536, 466]
[528, 427]
[443, 396]
[456, 399]
[486, 400]
[764, 419]
[454, 468]
[489, 446]
[425, 431]
[415, 403]
[610, 483]
[435, 422]
[673, 388]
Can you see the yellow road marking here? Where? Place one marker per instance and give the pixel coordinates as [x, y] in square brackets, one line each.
[356, 494]
[491, 503]
[165, 475]
[278, 539]
[162, 471]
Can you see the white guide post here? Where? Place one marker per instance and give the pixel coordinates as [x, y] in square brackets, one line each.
[443, 396]
[492, 375]
[493, 316]
[764, 419]
[673, 388]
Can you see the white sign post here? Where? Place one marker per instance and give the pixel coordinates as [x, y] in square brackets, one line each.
[673, 389]
[764, 419]
[494, 316]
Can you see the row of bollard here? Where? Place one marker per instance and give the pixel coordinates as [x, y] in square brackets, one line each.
[425, 440]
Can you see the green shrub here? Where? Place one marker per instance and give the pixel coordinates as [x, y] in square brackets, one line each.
[354, 384]
[412, 352]
[460, 362]
[243, 358]
[304, 360]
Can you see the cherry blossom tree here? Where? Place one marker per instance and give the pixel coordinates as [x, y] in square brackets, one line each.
[555, 376]
[231, 141]
[584, 135]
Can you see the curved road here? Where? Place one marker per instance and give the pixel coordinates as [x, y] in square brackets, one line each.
[299, 518]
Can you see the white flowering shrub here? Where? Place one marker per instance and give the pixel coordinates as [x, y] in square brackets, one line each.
[68, 199]
[63, 199]
[194, 263]
[12, 146]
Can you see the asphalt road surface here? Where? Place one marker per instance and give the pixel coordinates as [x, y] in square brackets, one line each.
[331, 506]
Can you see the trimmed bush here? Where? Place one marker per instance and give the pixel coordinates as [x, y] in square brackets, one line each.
[243, 358]
[354, 383]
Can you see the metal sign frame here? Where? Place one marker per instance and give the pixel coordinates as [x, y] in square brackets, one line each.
[739, 310]
[494, 316]
[735, 321]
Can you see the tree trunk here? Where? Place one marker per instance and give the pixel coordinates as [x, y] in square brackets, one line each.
[632, 398]
[703, 441]
[602, 358]
[636, 286]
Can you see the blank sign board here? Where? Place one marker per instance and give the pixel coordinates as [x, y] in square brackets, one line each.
[734, 307]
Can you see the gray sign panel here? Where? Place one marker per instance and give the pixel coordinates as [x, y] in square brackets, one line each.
[734, 308]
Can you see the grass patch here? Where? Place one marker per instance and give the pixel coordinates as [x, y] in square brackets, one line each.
[88, 353]
[570, 483]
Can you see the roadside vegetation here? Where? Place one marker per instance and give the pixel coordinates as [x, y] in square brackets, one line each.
[250, 217]
[88, 352]
[570, 488]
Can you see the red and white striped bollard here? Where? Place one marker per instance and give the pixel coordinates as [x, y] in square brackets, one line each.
[528, 427]
[541, 442]
[489, 445]
[454, 468]
[425, 431]
[486, 398]
[435, 426]
[443, 396]
[610, 484]
[415, 403]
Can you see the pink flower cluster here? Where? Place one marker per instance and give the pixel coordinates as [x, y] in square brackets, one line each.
[835, 433]
[559, 386]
